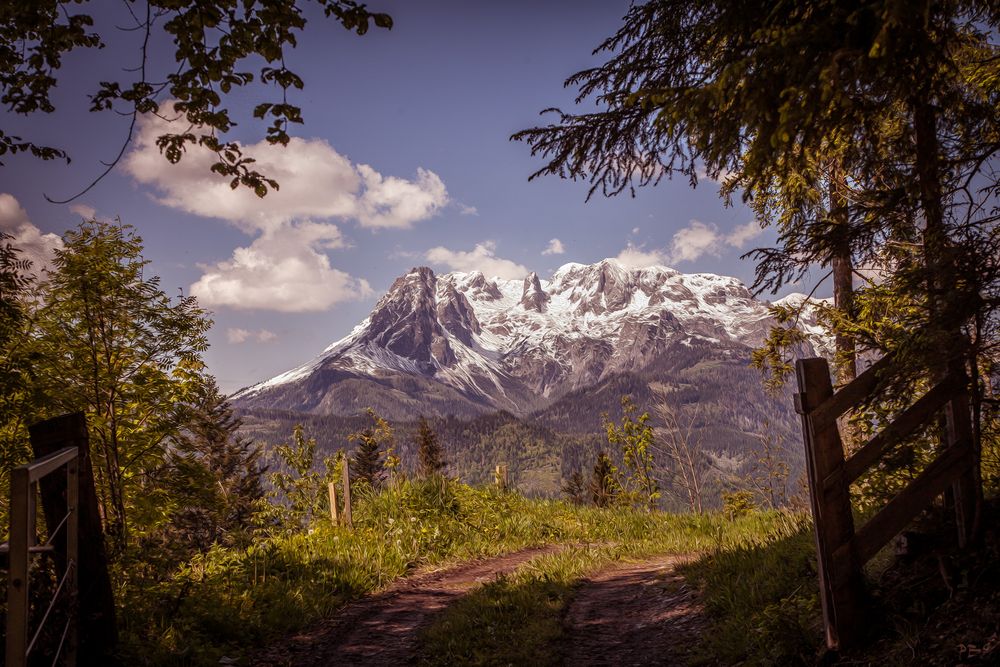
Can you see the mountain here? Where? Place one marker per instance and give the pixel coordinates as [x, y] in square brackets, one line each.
[521, 372]
[465, 344]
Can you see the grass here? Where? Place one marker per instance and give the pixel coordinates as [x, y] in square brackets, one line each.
[517, 619]
[228, 600]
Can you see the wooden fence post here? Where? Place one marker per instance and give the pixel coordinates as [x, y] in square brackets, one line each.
[98, 632]
[333, 503]
[348, 519]
[841, 587]
[501, 477]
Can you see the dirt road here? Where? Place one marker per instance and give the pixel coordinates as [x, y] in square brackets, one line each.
[633, 614]
[382, 629]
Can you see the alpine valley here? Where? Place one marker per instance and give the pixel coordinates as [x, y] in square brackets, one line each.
[520, 372]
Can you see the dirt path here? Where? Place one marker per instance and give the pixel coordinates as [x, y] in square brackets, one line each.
[633, 614]
[382, 629]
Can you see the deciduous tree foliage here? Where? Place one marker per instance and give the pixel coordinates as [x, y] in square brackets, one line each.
[220, 47]
[15, 282]
[110, 342]
[636, 439]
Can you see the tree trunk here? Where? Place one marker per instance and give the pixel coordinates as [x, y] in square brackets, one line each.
[843, 295]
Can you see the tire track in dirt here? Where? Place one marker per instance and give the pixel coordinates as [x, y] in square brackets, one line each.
[633, 614]
[383, 629]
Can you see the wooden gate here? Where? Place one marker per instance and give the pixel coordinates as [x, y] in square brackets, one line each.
[21, 639]
[842, 551]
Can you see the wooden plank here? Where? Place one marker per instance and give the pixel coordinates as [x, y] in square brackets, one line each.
[909, 502]
[851, 394]
[841, 588]
[902, 427]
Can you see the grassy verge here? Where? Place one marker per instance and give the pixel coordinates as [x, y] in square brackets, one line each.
[517, 619]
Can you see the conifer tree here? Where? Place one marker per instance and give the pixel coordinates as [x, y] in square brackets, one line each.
[575, 489]
[211, 440]
[372, 442]
[602, 485]
[429, 454]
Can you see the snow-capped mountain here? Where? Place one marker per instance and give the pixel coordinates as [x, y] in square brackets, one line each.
[463, 343]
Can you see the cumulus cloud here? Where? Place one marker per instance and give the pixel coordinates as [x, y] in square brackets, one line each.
[34, 244]
[468, 210]
[315, 181]
[481, 258]
[84, 211]
[236, 336]
[555, 247]
[637, 257]
[699, 239]
[283, 270]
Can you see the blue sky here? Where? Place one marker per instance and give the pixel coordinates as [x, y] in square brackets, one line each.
[403, 160]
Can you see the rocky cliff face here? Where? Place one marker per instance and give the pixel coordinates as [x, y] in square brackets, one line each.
[463, 343]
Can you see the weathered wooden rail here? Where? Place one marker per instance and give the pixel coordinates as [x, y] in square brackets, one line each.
[24, 544]
[843, 550]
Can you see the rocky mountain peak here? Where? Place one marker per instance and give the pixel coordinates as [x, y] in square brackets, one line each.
[533, 297]
[456, 314]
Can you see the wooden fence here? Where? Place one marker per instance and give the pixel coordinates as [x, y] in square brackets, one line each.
[843, 550]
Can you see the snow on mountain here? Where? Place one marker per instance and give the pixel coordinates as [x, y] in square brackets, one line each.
[518, 344]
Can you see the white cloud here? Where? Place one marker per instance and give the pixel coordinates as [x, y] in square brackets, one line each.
[703, 174]
[637, 257]
[739, 237]
[84, 211]
[237, 336]
[389, 201]
[555, 247]
[283, 270]
[315, 182]
[35, 245]
[480, 258]
[635, 230]
[693, 241]
[699, 239]
[468, 210]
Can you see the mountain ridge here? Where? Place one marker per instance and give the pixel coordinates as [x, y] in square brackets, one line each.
[462, 343]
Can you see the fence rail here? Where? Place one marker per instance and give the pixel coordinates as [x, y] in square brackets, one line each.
[842, 551]
[23, 544]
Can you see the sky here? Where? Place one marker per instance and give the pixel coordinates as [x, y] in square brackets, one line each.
[403, 160]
